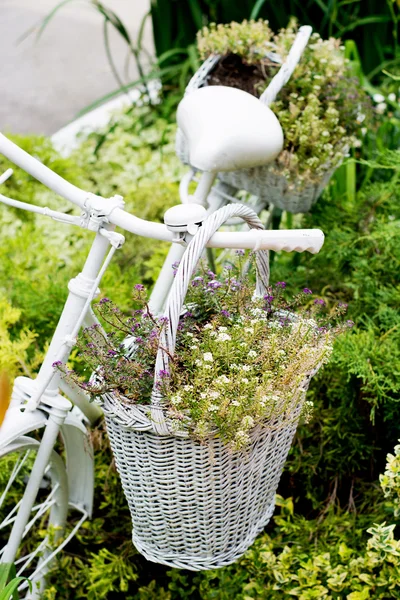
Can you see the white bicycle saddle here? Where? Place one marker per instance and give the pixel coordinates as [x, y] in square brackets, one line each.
[227, 129]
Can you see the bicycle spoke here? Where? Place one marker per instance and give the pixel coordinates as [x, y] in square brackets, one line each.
[10, 518]
[41, 509]
[17, 467]
[50, 557]
[28, 558]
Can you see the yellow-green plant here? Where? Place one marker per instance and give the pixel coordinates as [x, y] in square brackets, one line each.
[13, 351]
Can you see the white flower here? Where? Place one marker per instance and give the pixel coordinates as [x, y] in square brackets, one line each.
[198, 362]
[222, 329]
[213, 408]
[187, 388]
[246, 368]
[233, 367]
[248, 421]
[378, 98]
[235, 403]
[207, 367]
[249, 330]
[392, 97]
[243, 344]
[214, 394]
[203, 395]
[194, 347]
[208, 357]
[213, 333]
[282, 352]
[176, 399]
[381, 107]
[208, 326]
[189, 334]
[252, 354]
[244, 380]
[223, 337]
[223, 379]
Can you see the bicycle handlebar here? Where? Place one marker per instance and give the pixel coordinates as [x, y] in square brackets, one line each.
[299, 240]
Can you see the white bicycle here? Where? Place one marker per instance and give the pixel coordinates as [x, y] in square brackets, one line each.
[44, 440]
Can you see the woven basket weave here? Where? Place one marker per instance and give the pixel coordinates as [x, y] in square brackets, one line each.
[267, 182]
[196, 505]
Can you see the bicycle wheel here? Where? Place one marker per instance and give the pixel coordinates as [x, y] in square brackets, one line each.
[44, 530]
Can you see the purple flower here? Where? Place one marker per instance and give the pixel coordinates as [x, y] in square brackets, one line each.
[104, 300]
[175, 265]
[134, 327]
[56, 364]
[322, 329]
[343, 305]
[307, 291]
[350, 323]
[197, 281]
[211, 274]
[163, 374]
[225, 313]
[187, 315]
[228, 267]
[281, 284]
[163, 320]
[319, 301]
[268, 298]
[90, 345]
[139, 340]
[153, 334]
[214, 285]
[239, 252]
[139, 287]
[112, 353]
[236, 285]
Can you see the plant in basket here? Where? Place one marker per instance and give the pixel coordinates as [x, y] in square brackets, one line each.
[240, 360]
[234, 389]
[321, 107]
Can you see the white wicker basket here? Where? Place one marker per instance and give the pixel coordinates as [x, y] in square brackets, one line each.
[267, 182]
[196, 505]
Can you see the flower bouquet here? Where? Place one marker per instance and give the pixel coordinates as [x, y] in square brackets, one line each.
[202, 404]
[320, 108]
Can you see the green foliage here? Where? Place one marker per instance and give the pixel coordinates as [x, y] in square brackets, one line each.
[372, 24]
[13, 350]
[251, 40]
[390, 480]
[9, 582]
[39, 256]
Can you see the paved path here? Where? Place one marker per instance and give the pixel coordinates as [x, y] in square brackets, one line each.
[45, 83]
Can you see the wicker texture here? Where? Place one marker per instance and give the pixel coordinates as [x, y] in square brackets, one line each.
[267, 182]
[196, 505]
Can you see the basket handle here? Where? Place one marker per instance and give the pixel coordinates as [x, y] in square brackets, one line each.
[179, 289]
[286, 70]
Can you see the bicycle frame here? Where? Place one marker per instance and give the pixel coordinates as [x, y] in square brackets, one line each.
[101, 216]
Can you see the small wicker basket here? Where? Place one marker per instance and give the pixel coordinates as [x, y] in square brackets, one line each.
[268, 182]
[196, 505]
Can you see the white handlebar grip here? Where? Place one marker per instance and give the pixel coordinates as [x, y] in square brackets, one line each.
[294, 240]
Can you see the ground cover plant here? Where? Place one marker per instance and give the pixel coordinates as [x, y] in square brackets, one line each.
[318, 544]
